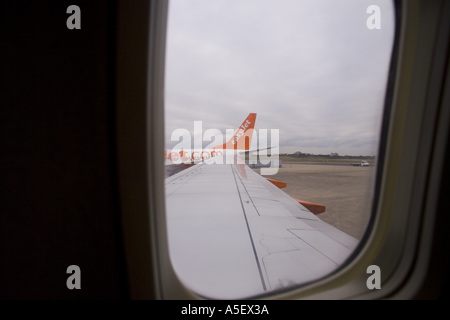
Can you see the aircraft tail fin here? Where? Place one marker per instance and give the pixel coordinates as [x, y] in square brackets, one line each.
[242, 138]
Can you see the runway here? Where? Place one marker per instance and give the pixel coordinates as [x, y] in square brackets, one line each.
[346, 191]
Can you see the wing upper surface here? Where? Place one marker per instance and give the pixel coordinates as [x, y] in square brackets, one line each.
[232, 234]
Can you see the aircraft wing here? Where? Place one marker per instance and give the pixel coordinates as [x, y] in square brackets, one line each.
[233, 234]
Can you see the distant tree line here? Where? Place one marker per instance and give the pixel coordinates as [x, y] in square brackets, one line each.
[332, 155]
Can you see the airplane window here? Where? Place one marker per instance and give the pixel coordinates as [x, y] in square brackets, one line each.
[273, 113]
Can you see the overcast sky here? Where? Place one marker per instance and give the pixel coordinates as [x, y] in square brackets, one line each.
[310, 68]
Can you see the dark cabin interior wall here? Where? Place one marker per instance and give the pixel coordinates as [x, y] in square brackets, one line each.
[59, 201]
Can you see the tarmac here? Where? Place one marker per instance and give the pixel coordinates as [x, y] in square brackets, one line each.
[345, 190]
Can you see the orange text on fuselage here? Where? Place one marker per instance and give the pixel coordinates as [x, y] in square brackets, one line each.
[188, 156]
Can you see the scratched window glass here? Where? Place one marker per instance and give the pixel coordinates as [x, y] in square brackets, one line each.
[273, 114]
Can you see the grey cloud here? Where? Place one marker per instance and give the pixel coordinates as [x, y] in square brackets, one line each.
[313, 71]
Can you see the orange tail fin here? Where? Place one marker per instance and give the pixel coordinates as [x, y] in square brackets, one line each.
[242, 138]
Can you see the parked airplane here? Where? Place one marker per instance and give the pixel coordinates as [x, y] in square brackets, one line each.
[240, 141]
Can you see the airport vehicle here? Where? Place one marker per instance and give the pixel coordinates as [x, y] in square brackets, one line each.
[82, 167]
[364, 163]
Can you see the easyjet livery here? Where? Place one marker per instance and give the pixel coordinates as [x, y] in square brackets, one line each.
[240, 141]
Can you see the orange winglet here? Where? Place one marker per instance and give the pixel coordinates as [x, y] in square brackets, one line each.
[279, 184]
[313, 207]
